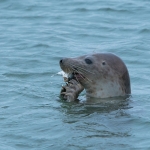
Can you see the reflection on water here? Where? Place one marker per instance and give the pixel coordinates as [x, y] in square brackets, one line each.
[93, 105]
[108, 119]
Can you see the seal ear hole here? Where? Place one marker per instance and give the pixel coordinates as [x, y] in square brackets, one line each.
[103, 63]
[88, 61]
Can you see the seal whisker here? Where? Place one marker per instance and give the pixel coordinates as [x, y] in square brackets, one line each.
[67, 70]
[85, 70]
[80, 73]
[76, 67]
[77, 79]
[87, 79]
[73, 69]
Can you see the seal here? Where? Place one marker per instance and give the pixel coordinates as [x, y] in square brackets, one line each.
[102, 75]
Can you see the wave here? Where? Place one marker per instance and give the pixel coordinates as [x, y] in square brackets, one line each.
[40, 45]
[145, 30]
[107, 9]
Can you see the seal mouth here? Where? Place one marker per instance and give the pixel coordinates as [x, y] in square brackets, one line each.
[75, 75]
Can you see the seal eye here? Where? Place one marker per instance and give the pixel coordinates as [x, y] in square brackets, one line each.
[103, 63]
[88, 61]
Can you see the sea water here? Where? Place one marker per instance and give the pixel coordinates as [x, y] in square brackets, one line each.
[34, 36]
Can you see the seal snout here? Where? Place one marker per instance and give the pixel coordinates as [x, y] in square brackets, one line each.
[61, 61]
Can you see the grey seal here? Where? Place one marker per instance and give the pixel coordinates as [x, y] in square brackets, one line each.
[102, 75]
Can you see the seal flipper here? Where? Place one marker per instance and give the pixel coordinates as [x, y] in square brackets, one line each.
[71, 91]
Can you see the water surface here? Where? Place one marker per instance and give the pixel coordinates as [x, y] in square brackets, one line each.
[35, 35]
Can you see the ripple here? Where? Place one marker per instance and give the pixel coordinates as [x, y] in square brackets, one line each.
[41, 45]
[23, 75]
[107, 9]
[145, 30]
[81, 10]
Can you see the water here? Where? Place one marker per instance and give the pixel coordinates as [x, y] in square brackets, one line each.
[34, 36]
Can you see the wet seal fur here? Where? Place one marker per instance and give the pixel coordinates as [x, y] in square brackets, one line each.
[102, 75]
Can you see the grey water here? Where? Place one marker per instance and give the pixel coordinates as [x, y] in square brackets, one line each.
[34, 36]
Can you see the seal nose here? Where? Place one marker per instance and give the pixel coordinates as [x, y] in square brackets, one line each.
[61, 61]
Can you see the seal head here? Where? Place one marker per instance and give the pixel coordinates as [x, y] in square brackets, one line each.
[102, 75]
